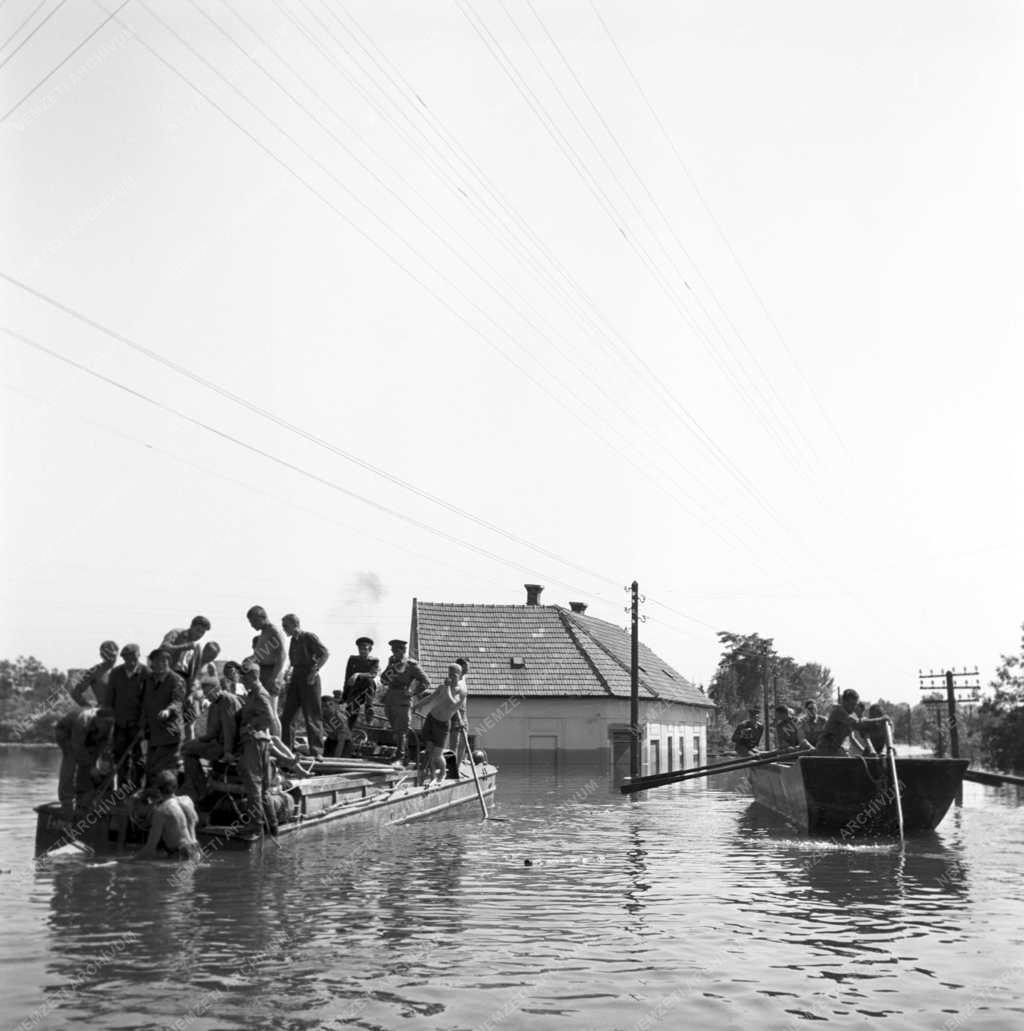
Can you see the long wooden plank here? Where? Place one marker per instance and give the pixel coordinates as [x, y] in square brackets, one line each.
[993, 779]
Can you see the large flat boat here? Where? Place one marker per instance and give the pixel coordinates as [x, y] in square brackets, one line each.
[853, 796]
[349, 791]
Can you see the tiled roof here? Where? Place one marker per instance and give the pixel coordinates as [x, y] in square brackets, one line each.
[562, 653]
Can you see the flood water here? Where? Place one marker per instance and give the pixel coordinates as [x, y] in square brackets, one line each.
[687, 909]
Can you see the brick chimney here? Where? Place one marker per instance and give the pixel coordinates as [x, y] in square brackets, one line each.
[578, 606]
[533, 593]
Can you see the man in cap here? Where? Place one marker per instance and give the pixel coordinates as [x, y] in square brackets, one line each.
[83, 736]
[98, 678]
[126, 687]
[362, 672]
[306, 655]
[811, 723]
[163, 699]
[268, 649]
[217, 740]
[257, 720]
[747, 735]
[404, 680]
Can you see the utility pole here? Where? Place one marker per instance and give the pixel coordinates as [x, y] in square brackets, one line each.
[950, 677]
[634, 682]
[764, 692]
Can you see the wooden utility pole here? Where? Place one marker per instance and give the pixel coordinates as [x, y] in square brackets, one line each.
[950, 677]
[764, 692]
[634, 682]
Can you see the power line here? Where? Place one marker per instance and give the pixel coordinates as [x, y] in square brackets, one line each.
[32, 33]
[53, 71]
[28, 18]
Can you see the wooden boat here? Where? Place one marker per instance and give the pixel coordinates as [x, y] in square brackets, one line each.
[853, 796]
[352, 791]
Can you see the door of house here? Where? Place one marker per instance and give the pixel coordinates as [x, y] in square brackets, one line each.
[544, 752]
[620, 753]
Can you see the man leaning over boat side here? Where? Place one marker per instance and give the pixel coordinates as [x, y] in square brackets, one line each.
[307, 655]
[257, 720]
[98, 678]
[457, 740]
[439, 709]
[747, 735]
[163, 699]
[83, 736]
[404, 680]
[842, 723]
[217, 741]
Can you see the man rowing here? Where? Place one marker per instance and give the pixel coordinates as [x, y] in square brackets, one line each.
[439, 709]
[842, 723]
[747, 735]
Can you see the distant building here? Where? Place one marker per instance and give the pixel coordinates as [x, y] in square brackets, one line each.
[550, 685]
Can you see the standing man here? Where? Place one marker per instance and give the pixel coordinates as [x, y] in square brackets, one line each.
[747, 735]
[788, 732]
[97, 678]
[257, 720]
[163, 699]
[812, 724]
[186, 661]
[461, 718]
[362, 673]
[217, 741]
[126, 685]
[842, 722]
[307, 655]
[404, 679]
[269, 652]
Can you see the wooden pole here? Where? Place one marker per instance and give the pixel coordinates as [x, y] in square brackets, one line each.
[954, 730]
[764, 692]
[895, 776]
[634, 683]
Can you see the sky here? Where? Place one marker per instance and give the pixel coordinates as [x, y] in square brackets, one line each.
[327, 308]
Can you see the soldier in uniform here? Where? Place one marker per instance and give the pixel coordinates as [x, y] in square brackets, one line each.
[747, 735]
[361, 678]
[257, 719]
[404, 679]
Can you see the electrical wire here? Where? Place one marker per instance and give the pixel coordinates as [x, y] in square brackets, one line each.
[32, 33]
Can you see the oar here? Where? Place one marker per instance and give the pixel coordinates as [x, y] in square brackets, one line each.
[476, 779]
[895, 776]
[662, 779]
[710, 768]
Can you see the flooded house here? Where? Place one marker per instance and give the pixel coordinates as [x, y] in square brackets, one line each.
[549, 685]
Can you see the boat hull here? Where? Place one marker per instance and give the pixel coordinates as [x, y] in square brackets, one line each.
[853, 796]
[392, 799]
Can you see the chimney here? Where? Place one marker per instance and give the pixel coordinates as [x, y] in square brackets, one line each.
[578, 606]
[533, 593]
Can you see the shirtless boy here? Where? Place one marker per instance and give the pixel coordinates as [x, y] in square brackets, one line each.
[446, 701]
[174, 822]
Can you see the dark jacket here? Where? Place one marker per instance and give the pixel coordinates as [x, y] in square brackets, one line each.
[166, 692]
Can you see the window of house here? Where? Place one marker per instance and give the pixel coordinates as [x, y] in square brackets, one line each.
[517, 662]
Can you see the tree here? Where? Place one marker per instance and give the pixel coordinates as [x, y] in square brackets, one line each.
[32, 699]
[1001, 717]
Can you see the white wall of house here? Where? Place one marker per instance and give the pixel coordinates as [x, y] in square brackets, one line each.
[582, 729]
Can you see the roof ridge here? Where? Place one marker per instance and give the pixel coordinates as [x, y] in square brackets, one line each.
[611, 655]
[571, 632]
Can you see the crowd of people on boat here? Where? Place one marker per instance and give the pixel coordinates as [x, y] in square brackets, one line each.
[850, 728]
[164, 721]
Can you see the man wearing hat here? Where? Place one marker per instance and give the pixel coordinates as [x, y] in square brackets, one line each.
[404, 679]
[98, 678]
[361, 680]
[747, 735]
[126, 684]
[163, 699]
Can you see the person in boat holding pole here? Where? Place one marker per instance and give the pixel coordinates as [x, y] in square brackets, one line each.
[788, 732]
[362, 677]
[98, 678]
[811, 723]
[842, 723]
[174, 822]
[875, 736]
[257, 720]
[461, 719]
[163, 700]
[747, 735]
[127, 682]
[403, 680]
[439, 708]
[217, 741]
[306, 654]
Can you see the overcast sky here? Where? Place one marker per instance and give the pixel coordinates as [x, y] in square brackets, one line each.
[432, 299]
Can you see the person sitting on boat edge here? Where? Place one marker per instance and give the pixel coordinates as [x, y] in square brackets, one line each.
[439, 709]
[217, 741]
[747, 735]
[174, 822]
[788, 733]
[811, 723]
[842, 722]
[404, 679]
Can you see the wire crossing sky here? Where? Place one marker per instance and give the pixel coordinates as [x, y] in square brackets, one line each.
[303, 297]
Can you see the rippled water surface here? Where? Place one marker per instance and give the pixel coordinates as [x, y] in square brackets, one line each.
[689, 908]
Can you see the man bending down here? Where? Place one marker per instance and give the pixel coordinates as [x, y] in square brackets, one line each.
[174, 822]
[441, 707]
